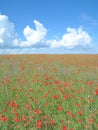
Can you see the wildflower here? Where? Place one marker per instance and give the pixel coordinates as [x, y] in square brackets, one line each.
[24, 118]
[56, 96]
[12, 88]
[78, 105]
[51, 121]
[60, 108]
[4, 119]
[13, 111]
[12, 104]
[17, 114]
[38, 124]
[17, 105]
[64, 84]
[46, 104]
[64, 128]
[37, 111]
[17, 119]
[80, 112]
[80, 121]
[87, 126]
[68, 113]
[91, 121]
[66, 96]
[96, 90]
[28, 105]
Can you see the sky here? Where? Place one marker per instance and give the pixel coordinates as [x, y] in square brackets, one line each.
[48, 26]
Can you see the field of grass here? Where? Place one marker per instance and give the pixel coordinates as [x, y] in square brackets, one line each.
[48, 92]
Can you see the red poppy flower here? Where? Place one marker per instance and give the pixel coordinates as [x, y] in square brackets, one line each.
[66, 96]
[4, 119]
[80, 112]
[68, 113]
[37, 111]
[51, 122]
[60, 108]
[28, 105]
[17, 119]
[12, 104]
[64, 128]
[24, 118]
[91, 121]
[38, 124]
[96, 92]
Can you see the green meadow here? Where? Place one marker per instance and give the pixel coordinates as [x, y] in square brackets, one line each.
[48, 92]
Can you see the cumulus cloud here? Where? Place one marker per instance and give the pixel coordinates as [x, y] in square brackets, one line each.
[8, 36]
[10, 39]
[32, 36]
[36, 38]
[73, 38]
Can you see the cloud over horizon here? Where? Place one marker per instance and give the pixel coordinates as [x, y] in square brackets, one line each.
[36, 38]
[8, 36]
[73, 38]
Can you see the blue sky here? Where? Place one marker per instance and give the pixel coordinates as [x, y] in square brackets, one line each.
[48, 26]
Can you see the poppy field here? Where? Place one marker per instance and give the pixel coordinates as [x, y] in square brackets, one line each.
[48, 92]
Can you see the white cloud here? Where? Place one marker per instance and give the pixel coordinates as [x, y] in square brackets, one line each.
[35, 38]
[32, 36]
[8, 36]
[73, 37]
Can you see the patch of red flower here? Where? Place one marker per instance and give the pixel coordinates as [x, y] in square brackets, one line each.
[28, 105]
[64, 128]
[24, 118]
[17, 119]
[69, 113]
[91, 121]
[64, 84]
[4, 119]
[66, 96]
[38, 124]
[56, 96]
[60, 108]
[80, 112]
[96, 91]
[17, 114]
[80, 121]
[37, 111]
[51, 121]
[12, 104]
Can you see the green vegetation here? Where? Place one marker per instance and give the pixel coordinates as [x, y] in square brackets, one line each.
[49, 92]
